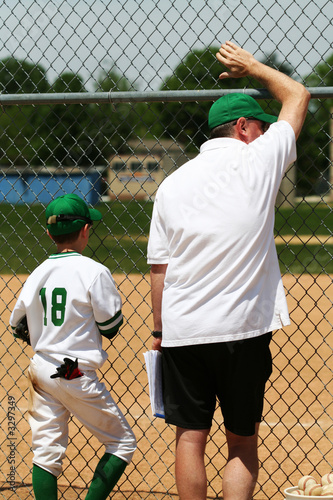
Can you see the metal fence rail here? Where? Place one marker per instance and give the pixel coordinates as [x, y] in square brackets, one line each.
[136, 96]
[74, 119]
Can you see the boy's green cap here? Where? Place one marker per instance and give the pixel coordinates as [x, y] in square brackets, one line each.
[69, 213]
[230, 107]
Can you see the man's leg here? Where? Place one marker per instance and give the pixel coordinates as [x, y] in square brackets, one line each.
[191, 479]
[241, 472]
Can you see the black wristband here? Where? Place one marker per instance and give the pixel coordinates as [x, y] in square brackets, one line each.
[157, 334]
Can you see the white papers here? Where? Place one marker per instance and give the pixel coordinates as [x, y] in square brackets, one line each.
[153, 360]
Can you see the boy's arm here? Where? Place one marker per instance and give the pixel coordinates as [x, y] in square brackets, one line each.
[18, 321]
[110, 328]
[107, 305]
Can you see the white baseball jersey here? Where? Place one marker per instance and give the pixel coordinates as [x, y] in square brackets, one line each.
[213, 223]
[69, 300]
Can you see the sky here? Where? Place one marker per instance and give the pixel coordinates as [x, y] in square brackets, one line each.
[146, 39]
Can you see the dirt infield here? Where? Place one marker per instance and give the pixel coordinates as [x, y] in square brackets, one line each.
[303, 239]
[296, 435]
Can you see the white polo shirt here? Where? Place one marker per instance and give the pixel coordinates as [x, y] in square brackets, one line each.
[213, 223]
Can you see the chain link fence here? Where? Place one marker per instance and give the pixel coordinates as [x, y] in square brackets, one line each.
[105, 99]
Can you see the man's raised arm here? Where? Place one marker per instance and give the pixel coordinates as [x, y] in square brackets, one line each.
[291, 94]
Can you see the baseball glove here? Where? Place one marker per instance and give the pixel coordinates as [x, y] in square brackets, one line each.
[68, 370]
[21, 330]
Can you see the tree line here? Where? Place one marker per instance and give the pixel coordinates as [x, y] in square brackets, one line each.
[88, 134]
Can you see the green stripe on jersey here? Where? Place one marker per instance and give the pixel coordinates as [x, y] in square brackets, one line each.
[110, 327]
[62, 255]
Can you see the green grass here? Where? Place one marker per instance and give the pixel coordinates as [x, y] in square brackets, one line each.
[120, 240]
[304, 219]
[310, 259]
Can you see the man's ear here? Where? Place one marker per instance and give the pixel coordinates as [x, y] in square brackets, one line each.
[241, 128]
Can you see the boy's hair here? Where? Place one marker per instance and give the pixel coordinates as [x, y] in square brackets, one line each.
[66, 238]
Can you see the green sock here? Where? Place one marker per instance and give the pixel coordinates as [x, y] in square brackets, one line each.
[106, 476]
[44, 484]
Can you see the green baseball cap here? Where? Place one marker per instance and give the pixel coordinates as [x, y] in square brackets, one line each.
[232, 106]
[69, 213]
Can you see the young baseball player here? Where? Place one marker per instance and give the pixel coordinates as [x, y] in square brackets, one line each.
[64, 308]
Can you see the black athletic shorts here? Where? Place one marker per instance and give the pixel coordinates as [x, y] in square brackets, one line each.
[233, 372]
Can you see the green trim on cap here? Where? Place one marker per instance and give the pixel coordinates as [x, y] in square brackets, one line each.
[230, 107]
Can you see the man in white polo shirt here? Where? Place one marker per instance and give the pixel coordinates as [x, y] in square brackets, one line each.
[217, 292]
